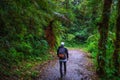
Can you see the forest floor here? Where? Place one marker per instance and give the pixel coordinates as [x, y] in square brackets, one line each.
[79, 67]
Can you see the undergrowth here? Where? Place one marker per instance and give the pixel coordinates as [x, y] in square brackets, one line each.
[25, 69]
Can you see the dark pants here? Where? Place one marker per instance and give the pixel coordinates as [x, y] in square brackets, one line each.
[61, 65]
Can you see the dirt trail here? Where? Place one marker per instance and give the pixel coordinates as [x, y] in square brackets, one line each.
[79, 67]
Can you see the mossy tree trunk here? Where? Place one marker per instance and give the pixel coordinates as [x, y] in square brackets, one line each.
[103, 30]
[116, 53]
[50, 36]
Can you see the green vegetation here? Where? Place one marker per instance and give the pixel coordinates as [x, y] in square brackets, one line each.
[31, 29]
[22, 37]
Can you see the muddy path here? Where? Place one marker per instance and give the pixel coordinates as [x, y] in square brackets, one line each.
[79, 67]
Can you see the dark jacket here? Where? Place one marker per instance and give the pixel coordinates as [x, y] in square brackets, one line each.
[66, 51]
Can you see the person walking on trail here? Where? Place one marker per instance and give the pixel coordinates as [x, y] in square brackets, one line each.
[62, 54]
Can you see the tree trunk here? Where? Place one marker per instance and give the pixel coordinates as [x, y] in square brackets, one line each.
[116, 53]
[49, 34]
[103, 30]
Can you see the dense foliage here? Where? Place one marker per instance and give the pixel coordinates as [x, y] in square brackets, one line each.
[85, 31]
[31, 29]
[22, 31]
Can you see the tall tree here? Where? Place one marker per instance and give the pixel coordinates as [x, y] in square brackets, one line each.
[50, 36]
[117, 44]
[103, 30]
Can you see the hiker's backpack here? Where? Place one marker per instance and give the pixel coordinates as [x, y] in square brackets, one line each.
[61, 53]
